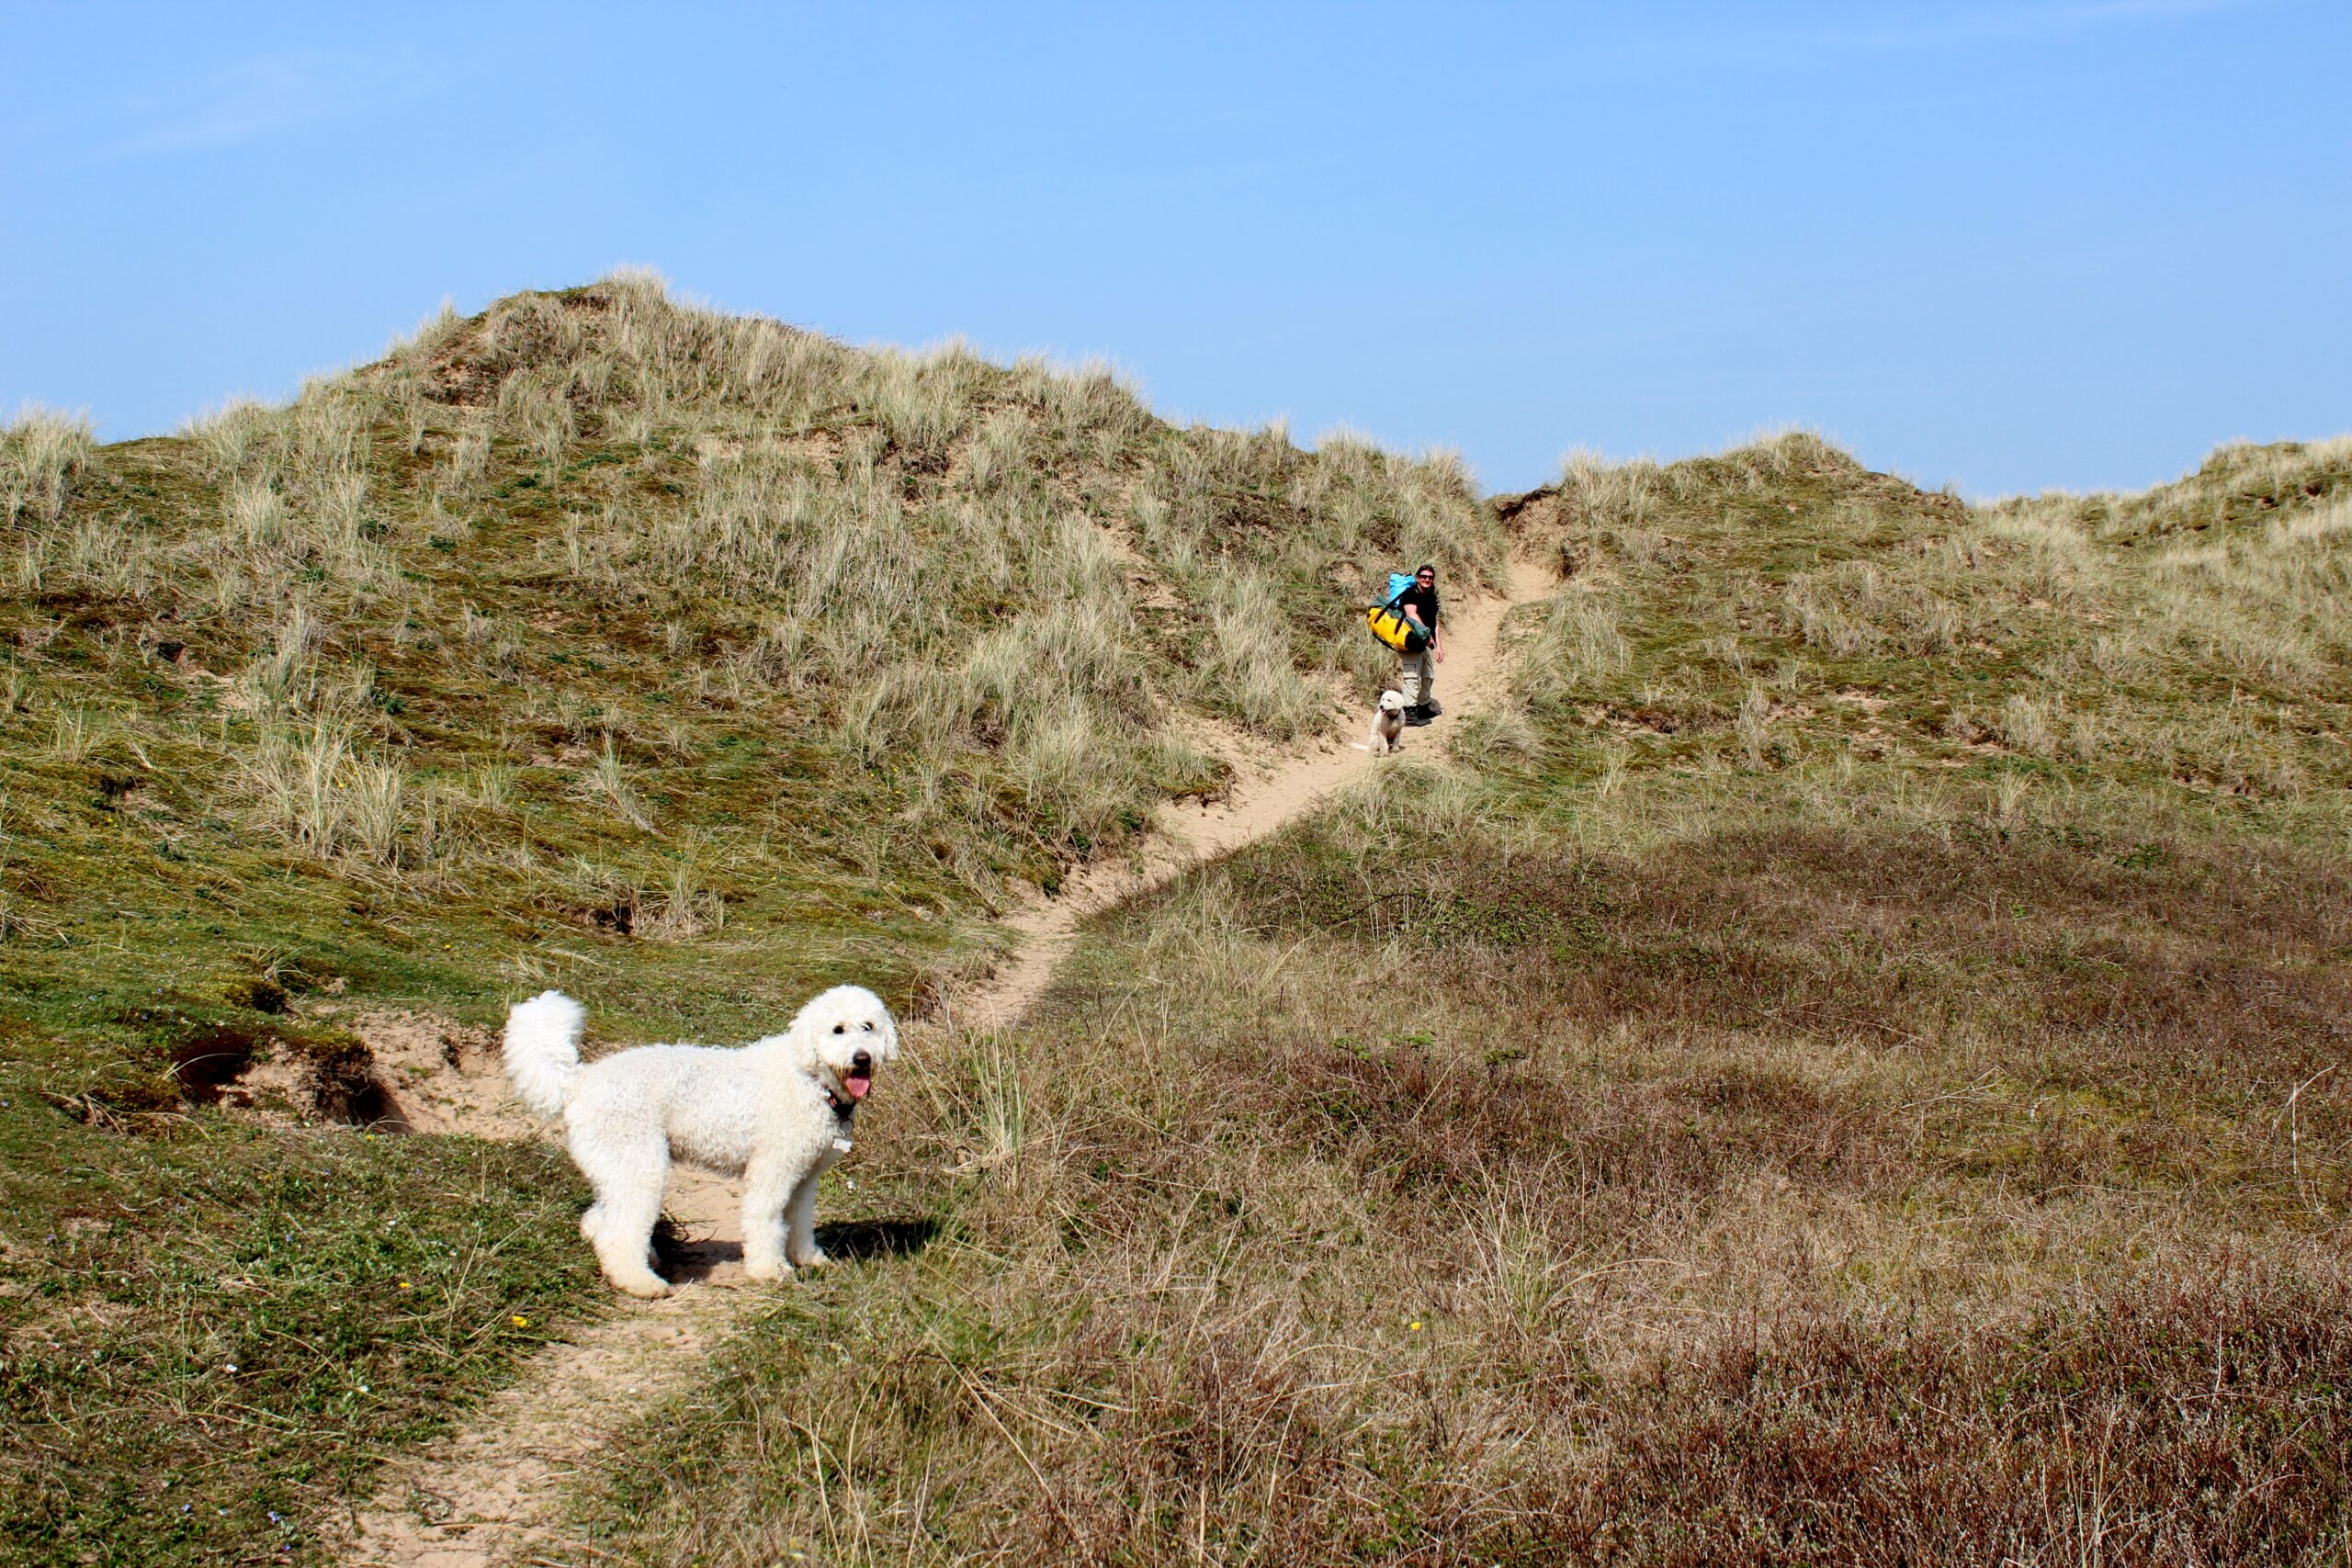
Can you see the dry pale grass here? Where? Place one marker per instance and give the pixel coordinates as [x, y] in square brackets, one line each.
[994, 588]
[40, 452]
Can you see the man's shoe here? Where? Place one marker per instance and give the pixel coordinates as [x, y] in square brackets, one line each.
[1417, 717]
[1431, 708]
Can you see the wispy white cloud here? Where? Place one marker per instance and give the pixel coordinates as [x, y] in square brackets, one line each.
[239, 103]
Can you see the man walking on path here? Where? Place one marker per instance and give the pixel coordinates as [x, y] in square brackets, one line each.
[1418, 604]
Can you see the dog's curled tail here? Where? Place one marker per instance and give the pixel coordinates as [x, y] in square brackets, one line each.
[543, 1050]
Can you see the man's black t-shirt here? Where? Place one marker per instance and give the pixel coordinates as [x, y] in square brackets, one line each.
[1422, 601]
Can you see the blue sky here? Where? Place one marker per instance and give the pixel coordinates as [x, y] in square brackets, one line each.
[2013, 245]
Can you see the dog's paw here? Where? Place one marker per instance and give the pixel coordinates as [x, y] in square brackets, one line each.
[648, 1286]
[766, 1269]
[813, 1259]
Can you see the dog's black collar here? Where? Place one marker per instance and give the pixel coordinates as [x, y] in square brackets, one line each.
[843, 1108]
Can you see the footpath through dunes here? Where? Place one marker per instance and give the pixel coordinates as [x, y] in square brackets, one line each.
[1271, 787]
[479, 1497]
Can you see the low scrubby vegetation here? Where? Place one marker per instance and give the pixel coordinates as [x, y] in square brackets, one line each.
[1761, 1104]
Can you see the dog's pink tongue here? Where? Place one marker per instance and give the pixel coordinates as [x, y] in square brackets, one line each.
[857, 1086]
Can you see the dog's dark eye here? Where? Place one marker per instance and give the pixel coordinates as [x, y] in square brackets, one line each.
[869, 1026]
[841, 1029]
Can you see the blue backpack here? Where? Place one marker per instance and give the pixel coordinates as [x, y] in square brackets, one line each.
[1388, 623]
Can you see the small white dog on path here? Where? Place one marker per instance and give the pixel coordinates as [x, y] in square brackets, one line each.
[777, 1112]
[1387, 725]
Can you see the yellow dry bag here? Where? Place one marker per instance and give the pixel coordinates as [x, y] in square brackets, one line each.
[1391, 627]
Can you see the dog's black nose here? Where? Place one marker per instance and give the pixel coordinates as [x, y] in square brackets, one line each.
[863, 1059]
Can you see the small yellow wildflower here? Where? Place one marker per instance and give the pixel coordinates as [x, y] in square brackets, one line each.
[519, 1321]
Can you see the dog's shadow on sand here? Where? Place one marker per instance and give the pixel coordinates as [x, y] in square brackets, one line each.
[864, 1241]
[684, 1260]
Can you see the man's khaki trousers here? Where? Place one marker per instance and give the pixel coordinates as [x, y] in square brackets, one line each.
[1419, 679]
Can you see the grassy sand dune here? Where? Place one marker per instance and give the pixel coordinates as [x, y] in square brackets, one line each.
[1843, 1062]
[690, 662]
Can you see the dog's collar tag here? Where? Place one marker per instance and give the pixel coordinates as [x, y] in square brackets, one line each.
[842, 1145]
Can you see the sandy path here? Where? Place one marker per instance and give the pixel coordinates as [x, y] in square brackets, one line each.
[471, 1501]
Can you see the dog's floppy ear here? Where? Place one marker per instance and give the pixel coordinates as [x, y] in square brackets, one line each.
[803, 1030]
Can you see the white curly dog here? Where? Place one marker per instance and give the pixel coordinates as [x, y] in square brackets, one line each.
[1387, 725]
[775, 1112]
